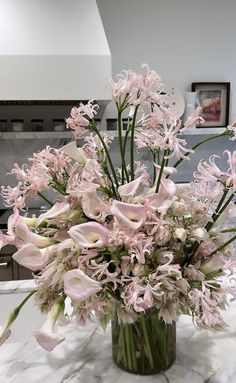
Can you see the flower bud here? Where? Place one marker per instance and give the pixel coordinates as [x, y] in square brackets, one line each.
[180, 234]
[138, 269]
[199, 233]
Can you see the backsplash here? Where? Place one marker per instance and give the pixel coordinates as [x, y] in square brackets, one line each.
[18, 150]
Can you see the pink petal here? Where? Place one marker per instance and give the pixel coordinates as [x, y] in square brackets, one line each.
[131, 188]
[130, 215]
[58, 209]
[31, 257]
[47, 339]
[89, 235]
[78, 286]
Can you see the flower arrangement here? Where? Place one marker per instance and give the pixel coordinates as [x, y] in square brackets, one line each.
[121, 241]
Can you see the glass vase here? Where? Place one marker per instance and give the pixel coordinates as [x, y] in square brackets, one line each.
[147, 346]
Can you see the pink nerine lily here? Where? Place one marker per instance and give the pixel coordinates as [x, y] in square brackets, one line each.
[133, 216]
[33, 258]
[78, 286]
[45, 336]
[89, 235]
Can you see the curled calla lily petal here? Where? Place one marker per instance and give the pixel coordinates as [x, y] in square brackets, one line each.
[60, 208]
[33, 258]
[133, 216]
[77, 154]
[94, 207]
[89, 235]
[131, 189]
[45, 335]
[78, 286]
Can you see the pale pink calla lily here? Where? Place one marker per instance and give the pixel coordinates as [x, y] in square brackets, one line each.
[130, 189]
[78, 286]
[94, 207]
[162, 200]
[45, 336]
[33, 258]
[131, 215]
[89, 235]
[60, 208]
[77, 154]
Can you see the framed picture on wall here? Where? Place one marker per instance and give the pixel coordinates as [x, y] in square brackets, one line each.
[213, 97]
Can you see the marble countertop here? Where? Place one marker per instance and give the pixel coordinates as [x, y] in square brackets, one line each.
[85, 355]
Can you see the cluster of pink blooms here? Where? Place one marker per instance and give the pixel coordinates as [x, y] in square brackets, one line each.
[119, 241]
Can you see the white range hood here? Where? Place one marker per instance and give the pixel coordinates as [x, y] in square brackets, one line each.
[53, 50]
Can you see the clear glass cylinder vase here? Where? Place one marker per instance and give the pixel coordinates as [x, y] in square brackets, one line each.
[147, 346]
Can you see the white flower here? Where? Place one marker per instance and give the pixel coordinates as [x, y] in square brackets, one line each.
[78, 286]
[180, 234]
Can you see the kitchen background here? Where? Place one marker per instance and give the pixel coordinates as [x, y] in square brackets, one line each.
[54, 53]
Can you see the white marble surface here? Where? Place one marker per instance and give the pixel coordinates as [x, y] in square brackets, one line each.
[85, 356]
[21, 286]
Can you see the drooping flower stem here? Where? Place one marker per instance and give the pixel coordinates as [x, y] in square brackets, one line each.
[124, 172]
[163, 163]
[199, 144]
[132, 166]
[14, 314]
[45, 199]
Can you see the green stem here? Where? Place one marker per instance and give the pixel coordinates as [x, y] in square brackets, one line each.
[14, 314]
[45, 199]
[215, 215]
[219, 210]
[147, 341]
[122, 152]
[132, 144]
[161, 170]
[198, 144]
[132, 345]
[128, 346]
[108, 156]
[232, 230]
[223, 246]
[154, 167]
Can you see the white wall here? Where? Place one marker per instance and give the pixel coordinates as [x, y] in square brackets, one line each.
[184, 40]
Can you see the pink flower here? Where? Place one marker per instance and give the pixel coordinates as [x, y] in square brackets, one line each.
[79, 286]
[33, 258]
[231, 173]
[59, 209]
[193, 119]
[94, 207]
[132, 188]
[125, 86]
[208, 172]
[133, 216]
[80, 117]
[45, 335]
[76, 154]
[162, 200]
[89, 235]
